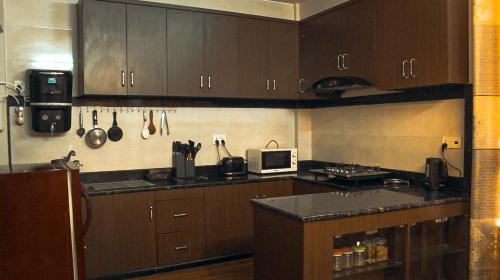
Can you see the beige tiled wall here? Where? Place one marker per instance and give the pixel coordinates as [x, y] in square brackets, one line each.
[399, 136]
[245, 128]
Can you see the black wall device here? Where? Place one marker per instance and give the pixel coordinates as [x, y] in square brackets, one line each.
[50, 100]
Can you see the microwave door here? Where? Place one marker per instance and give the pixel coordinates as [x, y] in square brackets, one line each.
[276, 160]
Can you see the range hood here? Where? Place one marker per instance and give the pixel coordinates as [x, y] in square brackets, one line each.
[338, 85]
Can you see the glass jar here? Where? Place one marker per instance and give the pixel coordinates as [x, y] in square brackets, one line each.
[348, 257]
[371, 250]
[359, 255]
[338, 260]
[382, 250]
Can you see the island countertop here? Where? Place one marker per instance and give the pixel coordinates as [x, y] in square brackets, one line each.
[340, 204]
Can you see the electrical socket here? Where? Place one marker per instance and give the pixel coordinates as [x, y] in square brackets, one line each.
[20, 84]
[453, 142]
[219, 137]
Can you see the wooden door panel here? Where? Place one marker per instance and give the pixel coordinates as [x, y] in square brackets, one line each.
[221, 55]
[135, 234]
[147, 50]
[99, 241]
[104, 48]
[253, 58]
[358, 37]
[431, 43]
[393, 42]
[276, 188]
[228, 216]
[185, 53]
[284, 56]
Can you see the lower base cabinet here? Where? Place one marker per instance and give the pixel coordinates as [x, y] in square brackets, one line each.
[121, 236]
[142, 230]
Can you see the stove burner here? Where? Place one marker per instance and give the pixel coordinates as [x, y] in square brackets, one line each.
[352, 172]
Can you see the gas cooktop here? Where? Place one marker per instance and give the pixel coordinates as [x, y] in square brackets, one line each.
[351, 172]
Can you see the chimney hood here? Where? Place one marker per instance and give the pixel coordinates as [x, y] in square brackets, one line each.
[338, 85]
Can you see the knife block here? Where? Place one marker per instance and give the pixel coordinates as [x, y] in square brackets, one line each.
[183, 168]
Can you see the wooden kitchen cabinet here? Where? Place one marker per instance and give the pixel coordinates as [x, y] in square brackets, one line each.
[100, 248]
[121, 236]
[422, 43]
[221, 55]
[339, 43]
[268, 55]
[229, 218]
[103, 53]
[185, 48]
[134, 225]
[146, 45]
[300, 188]
[123, 49]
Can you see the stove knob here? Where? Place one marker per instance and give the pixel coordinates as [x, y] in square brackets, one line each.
[347, 172]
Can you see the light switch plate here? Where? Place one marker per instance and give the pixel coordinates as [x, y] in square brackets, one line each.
[219, 137]
[453, 142]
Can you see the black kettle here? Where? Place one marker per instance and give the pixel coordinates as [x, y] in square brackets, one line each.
[436, 173]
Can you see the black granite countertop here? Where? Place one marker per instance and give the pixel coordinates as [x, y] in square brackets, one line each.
[140, 185]
[340, 204]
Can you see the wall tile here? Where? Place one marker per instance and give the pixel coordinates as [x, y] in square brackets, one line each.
[399, 136]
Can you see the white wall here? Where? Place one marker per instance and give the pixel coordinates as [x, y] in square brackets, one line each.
[312, 7]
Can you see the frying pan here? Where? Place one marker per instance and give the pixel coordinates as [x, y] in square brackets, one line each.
[96, 137]
[115, 133]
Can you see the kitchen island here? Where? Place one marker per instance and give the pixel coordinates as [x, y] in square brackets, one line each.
[425, 233]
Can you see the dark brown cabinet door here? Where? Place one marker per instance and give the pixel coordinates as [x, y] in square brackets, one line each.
[320, 48]
[221, 55]
[99, 241]
[135, 235]
[185, 53]
[104, 48]
[284, 57]
[429, 37]
[356, 40]
[253, 58]
[146, 50]
[228, 219]
[275, 189]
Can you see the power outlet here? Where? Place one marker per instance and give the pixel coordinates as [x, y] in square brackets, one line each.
[19, 84]
[453, 142]
[219, 137]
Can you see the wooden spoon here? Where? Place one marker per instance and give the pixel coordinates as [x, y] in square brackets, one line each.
[151, 127]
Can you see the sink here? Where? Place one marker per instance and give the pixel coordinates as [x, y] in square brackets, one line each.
[118, 185]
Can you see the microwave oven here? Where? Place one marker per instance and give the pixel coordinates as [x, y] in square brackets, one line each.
[268, 161]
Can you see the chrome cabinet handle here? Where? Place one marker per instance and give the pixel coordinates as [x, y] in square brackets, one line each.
[209, 82]
[338, 62]
[412, 73]
[181, 248]
[151, 213]
[404, 69]
[267, 84]
[201, 81]
[301, 83]
[123, 78]
[274, 85]
[132, 78]
[180, 215]
[343, 61]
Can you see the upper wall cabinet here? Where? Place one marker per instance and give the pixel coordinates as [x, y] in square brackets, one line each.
[202, 54]
[339, 43]
[268, 59]
[422, 43]
[123, 49]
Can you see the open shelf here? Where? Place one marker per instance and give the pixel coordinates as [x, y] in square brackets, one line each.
[436, 251]
[367, 268]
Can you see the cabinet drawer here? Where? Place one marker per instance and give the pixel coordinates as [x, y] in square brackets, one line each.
[179, 214]
[179, 247]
